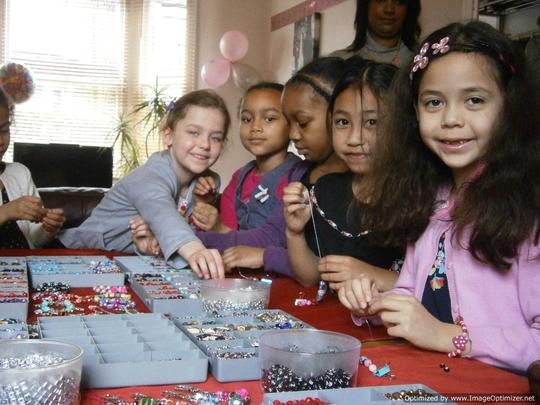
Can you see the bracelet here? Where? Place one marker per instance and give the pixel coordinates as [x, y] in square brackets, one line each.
[460, 341]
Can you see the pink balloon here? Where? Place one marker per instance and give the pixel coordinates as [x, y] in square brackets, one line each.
[216, 72]
[233, 45]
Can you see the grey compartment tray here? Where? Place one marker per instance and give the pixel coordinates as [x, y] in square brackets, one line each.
[14, 278]
[360, 395]
[236, 340]
[73, 270]
[128, 350]
[165, 303]
[147, 264]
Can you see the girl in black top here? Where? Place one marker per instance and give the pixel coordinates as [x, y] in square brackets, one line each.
[324, 237]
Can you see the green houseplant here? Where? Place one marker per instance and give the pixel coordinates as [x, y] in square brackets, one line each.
[144, 118]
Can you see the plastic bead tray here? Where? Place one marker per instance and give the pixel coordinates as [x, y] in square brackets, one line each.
[147, 264]
[11, 328]
[234, 332]
[128, 350]
[360, 395]
[77, 271]
[13, 288]
[168, 293]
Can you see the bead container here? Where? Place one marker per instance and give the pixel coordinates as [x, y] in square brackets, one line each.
[13, 328]
[13, 288]
[128, 350]
[77, 271]
[231, 339]
[308, 359]
[39, 372]
[234, 294]
[168, 293]
[148, 264]
[381, 395]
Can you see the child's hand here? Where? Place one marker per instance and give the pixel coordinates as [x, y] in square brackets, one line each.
[53, 220]
[336, 269]
[358, 294]
[407, 318]
[248, 257]
[206, 263]
[143, 237]
[206, 217]
[27, 208]
[205, 189]
[296, 207]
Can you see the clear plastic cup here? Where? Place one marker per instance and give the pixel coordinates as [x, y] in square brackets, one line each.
[308, 359]
[234, 294]
[52, 384]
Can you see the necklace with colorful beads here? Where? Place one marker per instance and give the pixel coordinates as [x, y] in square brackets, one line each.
[313, 199]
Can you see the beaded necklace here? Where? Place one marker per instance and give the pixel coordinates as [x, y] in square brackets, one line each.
[313, 199]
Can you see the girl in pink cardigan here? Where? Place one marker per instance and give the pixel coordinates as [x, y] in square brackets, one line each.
[457, 178]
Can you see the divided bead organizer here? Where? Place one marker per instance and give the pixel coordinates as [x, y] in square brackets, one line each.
[148, 264]
[383, 395]
[129, 350]
[231, 339]
[168, 293]
[13, 288]
[77, 271]
[13, 328]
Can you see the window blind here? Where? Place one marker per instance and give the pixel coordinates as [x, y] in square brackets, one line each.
[92, 61]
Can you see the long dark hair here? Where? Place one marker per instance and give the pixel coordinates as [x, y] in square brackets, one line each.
[409, 32]
[360, 74]
[501, 206]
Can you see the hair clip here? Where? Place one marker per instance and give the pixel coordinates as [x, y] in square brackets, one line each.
[441, 46]
[171, 106]
[420, 60]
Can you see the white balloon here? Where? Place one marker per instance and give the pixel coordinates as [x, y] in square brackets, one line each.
[244, 75]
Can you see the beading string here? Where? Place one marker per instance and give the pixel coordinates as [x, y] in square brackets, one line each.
[323, 287]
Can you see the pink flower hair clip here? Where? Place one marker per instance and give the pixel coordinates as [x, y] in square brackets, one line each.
[441, 46]
[420, 61]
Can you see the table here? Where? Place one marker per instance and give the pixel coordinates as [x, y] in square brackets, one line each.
[408, 364]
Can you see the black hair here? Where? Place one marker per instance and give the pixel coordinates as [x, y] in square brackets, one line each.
[278, 87]
[321, 75]
[409, 32]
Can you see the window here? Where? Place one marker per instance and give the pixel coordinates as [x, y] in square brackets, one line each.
[92, 60]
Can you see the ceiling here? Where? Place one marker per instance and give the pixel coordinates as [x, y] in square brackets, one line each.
[502, 7]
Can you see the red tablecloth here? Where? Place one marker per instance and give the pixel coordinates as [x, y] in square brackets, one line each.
[408, 364]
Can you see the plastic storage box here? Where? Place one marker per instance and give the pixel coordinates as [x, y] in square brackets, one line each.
[308, 359]
[77, 271]
[365, 395]
[127, 350]
[13, 288]
[56, 381]
[231, 294]
[231, 339]
[148, 264]
[168, 293]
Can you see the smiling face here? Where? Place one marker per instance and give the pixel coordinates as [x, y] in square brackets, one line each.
[4, 131]
[196, 141]
[354, 127]
[385, 18]
[306, 113]
[458, 106]
[263, 128]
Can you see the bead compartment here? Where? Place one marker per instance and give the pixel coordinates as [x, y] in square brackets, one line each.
[128, 350]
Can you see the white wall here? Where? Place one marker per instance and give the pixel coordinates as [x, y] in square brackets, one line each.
[521, 21]
[215, 17]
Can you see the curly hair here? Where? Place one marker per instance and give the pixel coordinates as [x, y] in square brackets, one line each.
[409, 32]
[501, 206]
